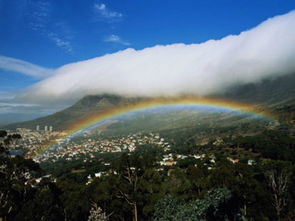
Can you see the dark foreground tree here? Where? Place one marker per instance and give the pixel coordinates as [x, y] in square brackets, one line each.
[22, 197]
[278, 175]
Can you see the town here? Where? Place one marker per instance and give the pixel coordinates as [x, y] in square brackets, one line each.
[48, 146]
[88, 147]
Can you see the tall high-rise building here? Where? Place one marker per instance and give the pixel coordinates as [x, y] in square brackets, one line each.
[38, 127]
[46, 128]
[50, 128]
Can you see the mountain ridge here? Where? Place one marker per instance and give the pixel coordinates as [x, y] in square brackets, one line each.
[277, 94]
[82, 108]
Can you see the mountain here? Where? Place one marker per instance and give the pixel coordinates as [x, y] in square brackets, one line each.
[277, 94]
[84, 107]
[270, 92]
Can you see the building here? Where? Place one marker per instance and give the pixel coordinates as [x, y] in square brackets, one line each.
[38, 127]
[46, 128]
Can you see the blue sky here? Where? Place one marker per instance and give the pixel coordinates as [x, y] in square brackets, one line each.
[52, 33]
[56, 32]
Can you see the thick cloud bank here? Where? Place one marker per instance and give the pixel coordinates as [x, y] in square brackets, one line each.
[200, 69]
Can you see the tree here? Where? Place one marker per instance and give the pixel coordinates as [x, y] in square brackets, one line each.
[96, 214]
[135, 177]
[277, 177]
[19, 200]
[212, 207]
[3, 133]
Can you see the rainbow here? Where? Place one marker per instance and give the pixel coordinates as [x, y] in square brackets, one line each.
[95, 118]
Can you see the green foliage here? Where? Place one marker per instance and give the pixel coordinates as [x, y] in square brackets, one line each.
[275, 145]
[209, 208]
[3, 133]
[20, 200]
[45, 205]
[134, 183]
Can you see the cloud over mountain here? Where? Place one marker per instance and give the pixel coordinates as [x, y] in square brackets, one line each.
[199, 69]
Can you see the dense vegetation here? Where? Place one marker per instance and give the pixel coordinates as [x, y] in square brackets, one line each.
[134, 186]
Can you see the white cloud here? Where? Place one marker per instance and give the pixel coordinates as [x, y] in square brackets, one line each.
[178, 69]
[38, 14]
[23, 67]
[105, 12]
[59, 42]
[4, 95]
[116, 39]
[39, 19]
[18, 110]
[3, 104]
